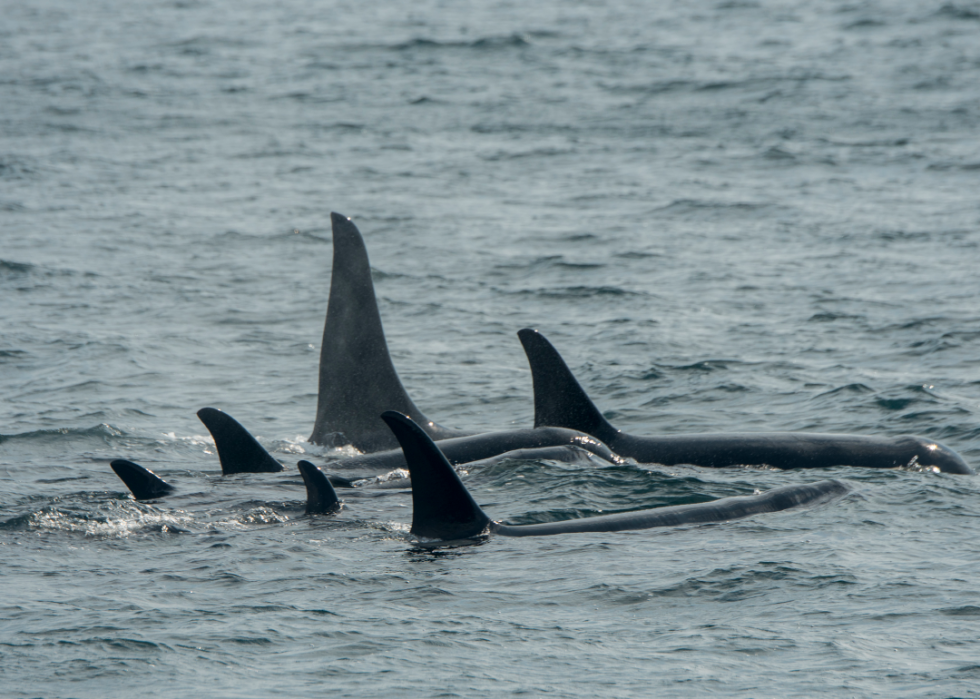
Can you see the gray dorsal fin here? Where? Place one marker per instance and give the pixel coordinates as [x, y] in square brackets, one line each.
[238, 451]
[321, 498]
[442, 507]
[142, 482]
[559, 399]
[358, 382]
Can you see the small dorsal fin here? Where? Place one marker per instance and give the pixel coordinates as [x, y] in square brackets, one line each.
[321, 498]
[559, 399]
[238, 450]
[442, 507]
[357, 378]
[141, 481]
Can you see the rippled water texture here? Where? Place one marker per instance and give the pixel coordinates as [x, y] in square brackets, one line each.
[728, 216]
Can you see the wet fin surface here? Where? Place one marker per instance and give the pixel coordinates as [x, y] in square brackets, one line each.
[321, 498]
[358, 381]
[238, 450]
[559, 399]
[141, 481]
[442, 507]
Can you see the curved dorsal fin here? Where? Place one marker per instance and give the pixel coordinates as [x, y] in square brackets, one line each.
[442, 508]
[559, 399]
[321, 498]
[238, 450]
[358, 382]
[141, 481]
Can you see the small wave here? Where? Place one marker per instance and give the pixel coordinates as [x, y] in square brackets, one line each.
[530, 153]
[855, 388]
[706, 366]
[10, 268]
[296, 445]
[865, 23]
[969, 610]
[392, 477]
[956, 11]
[16, 168]
[101, 431]
[574, 292]
[118, 519]
[712, 209]
[830, 316]
[12, 354]
[262, 514]
[488, 43]
[965, 167]
[903, 235]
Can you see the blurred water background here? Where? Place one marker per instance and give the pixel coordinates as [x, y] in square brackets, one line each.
[727, 215]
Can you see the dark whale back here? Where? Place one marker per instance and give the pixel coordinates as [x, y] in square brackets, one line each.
[560, 400]
[358, 381]
[723, 510]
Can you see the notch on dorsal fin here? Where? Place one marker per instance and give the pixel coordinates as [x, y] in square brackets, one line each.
[238, 451]
[142, 482]
[321, 498]
[358, 381]
[559, 399]
[442, 507]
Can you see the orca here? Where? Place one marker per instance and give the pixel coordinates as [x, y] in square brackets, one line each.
[444, 510]
[240, 452]
[560, 400]
[357, 378]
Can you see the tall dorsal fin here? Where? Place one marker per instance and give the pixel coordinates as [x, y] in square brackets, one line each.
[442, 507]
[358, 382]
[142, 482]
[238, 450]
[559, 399]
[321, 498]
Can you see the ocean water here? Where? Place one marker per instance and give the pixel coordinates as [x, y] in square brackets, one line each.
[728, 216]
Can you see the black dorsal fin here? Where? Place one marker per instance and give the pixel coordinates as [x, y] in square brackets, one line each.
[321, 498]
[357, 378]
[142, 482]
[559, 399]
[442, 507]
[238, 450]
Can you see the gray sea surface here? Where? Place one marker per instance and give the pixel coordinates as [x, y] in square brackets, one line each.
[727, 215]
